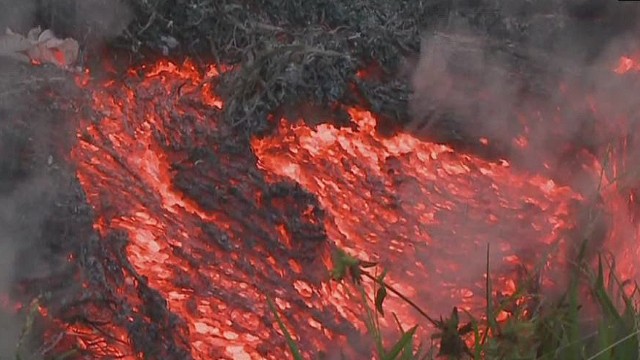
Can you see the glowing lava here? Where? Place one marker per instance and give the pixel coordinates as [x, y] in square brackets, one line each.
[205, 230]
[214, 238]
[424, 211]
[627, 65]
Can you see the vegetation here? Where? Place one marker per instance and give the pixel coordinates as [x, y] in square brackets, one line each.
[535, 328]
[24, 350]
[291, 52]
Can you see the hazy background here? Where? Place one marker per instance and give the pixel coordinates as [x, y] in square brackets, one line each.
[34, 181]
[537, 69]
[548, 76]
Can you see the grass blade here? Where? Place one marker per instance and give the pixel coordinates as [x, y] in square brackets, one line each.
[290, 342]
[404, 343]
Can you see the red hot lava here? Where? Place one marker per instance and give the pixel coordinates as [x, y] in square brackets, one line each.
[423, 211]
[205, 231]
[215, 224]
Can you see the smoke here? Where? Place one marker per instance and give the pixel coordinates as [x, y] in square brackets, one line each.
[30, 182]
[527, 84]
[455, 75]
[91, 22]
[102, 20]
[542, 72]
[31, 139]
[23, 212]
[19, 15]
[530, 75]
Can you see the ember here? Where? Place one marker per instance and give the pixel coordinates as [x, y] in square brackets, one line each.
[626, 65]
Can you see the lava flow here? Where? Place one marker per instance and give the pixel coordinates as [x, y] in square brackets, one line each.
[216, 225]
[423, 211]
[205, 231]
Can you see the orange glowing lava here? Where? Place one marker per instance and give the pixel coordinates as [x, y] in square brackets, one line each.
[626, 65]
[423, 211]
[215, 225]
[214, 259]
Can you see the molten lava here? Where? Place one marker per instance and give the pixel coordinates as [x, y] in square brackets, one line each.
[626, 65]
[214, 224]
[425, 212]
[204, 229]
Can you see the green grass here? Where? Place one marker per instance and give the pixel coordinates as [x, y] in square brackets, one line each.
[23, 350]
[536, 328]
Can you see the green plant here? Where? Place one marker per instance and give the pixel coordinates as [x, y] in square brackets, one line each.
[536, 328]
[290, 342]
[353, 269]
[21, 351]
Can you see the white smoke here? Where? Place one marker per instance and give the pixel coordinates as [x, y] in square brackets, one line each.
[28, 199]
[472, 78]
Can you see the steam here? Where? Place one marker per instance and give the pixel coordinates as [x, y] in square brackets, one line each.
[485, 81]
[22, 215]
[28, 186]
[91, 22]
[539, 70]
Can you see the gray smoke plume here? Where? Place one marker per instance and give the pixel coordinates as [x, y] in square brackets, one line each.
[17, 15]
[106, 19]
[30, 178]
[33, 137]
[22, 215]
[484, 80]
[91, 22]
[539, 64]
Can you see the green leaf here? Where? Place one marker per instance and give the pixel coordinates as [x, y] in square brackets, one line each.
[454, 320]
[573, 349]
[380, 295]
[372, 325]
[407, 353]
[346, 265]
[605, 337]
[338, 272]
[402, 344]
[292, 344]
[606, 304]
[477, 338]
